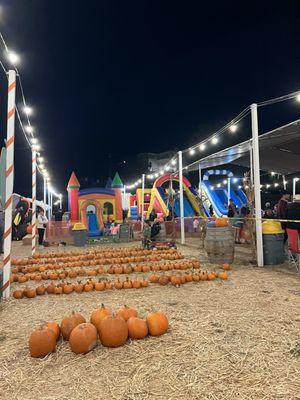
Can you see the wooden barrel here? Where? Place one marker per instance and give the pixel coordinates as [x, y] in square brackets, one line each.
[219, 245]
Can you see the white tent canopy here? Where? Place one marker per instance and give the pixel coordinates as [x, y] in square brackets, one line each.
[279, 152]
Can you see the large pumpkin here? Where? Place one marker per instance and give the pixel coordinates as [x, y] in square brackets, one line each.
[113, 331]
[137, 328]
[83, 338]
[53, 326]
[42, 341]
[157, 323]
[69, 323]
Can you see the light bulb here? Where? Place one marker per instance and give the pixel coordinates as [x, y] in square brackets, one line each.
[202, 147]
[13, 57]
[192, 152]
[233, 128]
[214, 140]
[29, 129]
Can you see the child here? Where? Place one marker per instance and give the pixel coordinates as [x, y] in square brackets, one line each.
[196, 224]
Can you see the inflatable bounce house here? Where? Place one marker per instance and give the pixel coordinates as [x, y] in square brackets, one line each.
[95, 206]
[163, 198]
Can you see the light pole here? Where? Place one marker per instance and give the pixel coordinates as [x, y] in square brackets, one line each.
[182, 233]
[256, 180]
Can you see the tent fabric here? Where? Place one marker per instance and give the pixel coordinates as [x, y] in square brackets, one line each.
[279, 152]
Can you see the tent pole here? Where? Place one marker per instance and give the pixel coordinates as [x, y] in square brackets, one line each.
[294, 187]
[142, 203]
[284, 182]
[200, 182]
[256, 176]
[251, 163]
[182, 234]
[9, 184]
[33, 218]
[228, 190]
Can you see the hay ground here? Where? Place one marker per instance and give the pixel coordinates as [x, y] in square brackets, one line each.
[234, 340]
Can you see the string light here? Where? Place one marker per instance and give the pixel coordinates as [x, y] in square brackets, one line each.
[267, 186]
[12, 57]
[29, 129]
[27, 110]
[272, 173]
[202, 147]
[233, 128]
[33, 140]
[173, 162]
[276, 184]
[192, 152]
[298, 98]
[214, 140]
[225, 181]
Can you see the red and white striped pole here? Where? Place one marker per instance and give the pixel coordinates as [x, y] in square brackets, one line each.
[33, 218]
[10, 138]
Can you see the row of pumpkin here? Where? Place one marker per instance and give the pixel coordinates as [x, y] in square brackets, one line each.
[113, 330]
[89, 286]
[125, 257]
[113, 269]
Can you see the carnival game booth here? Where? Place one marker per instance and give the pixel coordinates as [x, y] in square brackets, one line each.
[95, 206]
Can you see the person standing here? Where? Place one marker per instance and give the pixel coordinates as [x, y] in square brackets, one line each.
[42, 225]
[282, 209]
[231, 209]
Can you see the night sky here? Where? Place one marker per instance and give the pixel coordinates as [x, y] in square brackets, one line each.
[112, 79]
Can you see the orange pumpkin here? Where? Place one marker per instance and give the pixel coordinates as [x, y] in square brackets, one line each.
[226, 267]
[137, 328]
[113, 331]
[223, 275]
[98, 315]
[221, 222]
[52, 325]
[18, 294]
[126, 312]
[157, 323]
[83, 338]
[42, 341]
[69, 323]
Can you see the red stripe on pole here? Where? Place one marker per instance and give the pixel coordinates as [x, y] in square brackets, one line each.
[7, 233]
[10, 141]
[12, 86]
[7, 204]
[5, 261]
[5, 286]
[11, 113]
[9, 171]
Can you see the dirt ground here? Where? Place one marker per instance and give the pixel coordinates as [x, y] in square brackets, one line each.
[238, 339]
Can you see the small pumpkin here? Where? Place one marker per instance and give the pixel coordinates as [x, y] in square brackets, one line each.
[157, 323]
[127, 284]
[42, 341]
[118, 284]
[113, 331]
[126, 312]
[18, 294]
[175, 280]
[136, 284]
[83, 338]
[98, 314]
[153, 278]
[40, 290]
[223, 275]
[163, 280]
[78, 287]
[52, 325]
[137, 328]
[100, 285]
[69, 323]
[88, 287]
[30, 292]
[226, 267]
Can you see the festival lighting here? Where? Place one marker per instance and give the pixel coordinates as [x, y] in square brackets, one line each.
[272, 173]
[211, 188]
[225, 181]
[12, 57]
[214, 140]
[219, 185]
[235, 180]
[156, 175]
[167, 168]
[267, 186]
[276, 184]
[33, 140]
[27, 110]
[173, 162]
[202, 147]
[29, 129]
[298, 98]
[233, 128]
[192, 152]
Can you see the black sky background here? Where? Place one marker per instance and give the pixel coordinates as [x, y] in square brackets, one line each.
[111, 79]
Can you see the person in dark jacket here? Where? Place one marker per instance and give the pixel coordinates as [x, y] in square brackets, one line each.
[281, 210]
[293, 213]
